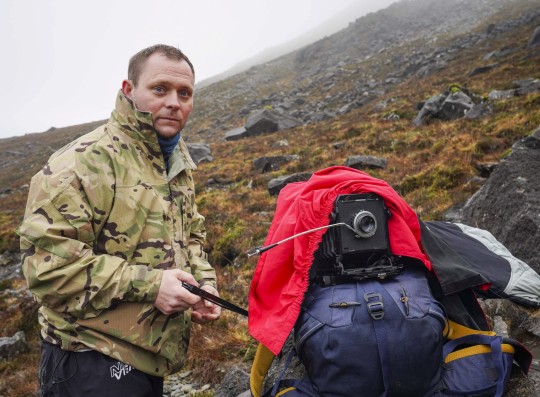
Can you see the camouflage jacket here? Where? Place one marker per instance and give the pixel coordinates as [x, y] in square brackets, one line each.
[103, 219]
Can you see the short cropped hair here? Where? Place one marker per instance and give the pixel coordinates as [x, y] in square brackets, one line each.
[138, 60]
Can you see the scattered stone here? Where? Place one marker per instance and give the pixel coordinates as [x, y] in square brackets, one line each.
[482, 69]
[281, 143]
[275, 185]
[236, 134]
[200, 152]
[267, 121]
[535, 38]
[235, 382]
[366, 162]
[272, 163]
[497, 95]
[11, 346]
[478, 110]
[502, 53]
[527, 86]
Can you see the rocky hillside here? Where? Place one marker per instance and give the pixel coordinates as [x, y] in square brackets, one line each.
[429, 95]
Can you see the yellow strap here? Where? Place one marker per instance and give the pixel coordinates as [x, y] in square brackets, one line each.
[288, 389]
[454, 330]
[261, 364]
[476, 349]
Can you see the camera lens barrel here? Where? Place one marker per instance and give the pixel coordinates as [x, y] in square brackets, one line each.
[364, 224]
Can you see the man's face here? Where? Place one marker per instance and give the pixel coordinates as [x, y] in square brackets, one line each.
[165, 89]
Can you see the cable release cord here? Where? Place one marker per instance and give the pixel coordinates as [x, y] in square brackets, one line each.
[259, 250]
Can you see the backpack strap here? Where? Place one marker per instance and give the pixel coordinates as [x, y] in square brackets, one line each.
[375, 307]
[289, 383]
[522, 355]
[454, 330]
[495, 344]
[261, 364]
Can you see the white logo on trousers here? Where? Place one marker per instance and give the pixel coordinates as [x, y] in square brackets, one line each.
[119, 370]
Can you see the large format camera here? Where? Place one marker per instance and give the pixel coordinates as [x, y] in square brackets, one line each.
[357, 247]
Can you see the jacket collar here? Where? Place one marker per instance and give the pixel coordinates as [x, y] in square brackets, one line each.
[140, 126]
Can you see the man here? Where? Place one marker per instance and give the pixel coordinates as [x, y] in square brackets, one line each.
[110, 232]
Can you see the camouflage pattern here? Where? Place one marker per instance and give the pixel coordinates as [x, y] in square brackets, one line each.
[103, 220]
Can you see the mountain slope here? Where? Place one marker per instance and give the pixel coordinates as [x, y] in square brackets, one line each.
[334, 24]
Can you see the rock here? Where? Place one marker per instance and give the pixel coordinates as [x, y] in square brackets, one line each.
[496, 95]
[452, 104]
[479, 110]
[535, 38]
[275, 185]
[235, 382]
[485, 169]
[11, 346]
[267, 121]
[508, 203]
[503, 52]
[455, 106]
[235, 134]
[200, 152]
[366, 162]
[527, 86]
[272, 163]
[482, 69]
[281, 143]
[429, 109]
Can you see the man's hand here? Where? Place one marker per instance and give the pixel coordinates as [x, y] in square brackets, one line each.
[206, 311]
[172, 297]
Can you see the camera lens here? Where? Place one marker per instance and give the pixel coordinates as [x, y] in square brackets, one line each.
[365, 224]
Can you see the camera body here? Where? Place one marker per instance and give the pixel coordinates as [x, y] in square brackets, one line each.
[368, 216]
[359, 249]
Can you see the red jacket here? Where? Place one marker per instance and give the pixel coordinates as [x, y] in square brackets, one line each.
[282, 274]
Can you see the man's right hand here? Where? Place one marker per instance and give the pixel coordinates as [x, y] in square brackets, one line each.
[172, 296]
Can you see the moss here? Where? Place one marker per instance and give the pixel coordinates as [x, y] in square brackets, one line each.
[437, 179]
[224, 250]
[453, 88]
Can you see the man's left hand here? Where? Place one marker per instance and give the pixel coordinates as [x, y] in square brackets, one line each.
[205, 311]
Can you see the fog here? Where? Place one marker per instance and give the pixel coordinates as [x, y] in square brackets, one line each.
[63, 61]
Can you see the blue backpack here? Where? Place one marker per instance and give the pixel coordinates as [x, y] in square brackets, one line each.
[369, 339]
[384, 338]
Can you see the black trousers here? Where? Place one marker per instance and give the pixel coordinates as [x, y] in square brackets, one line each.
[76, 374]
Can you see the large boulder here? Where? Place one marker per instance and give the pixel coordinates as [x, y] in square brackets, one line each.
[267, 121]
[452, 104]
[508, 204]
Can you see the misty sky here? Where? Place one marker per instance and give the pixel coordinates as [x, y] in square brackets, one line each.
[63, 60]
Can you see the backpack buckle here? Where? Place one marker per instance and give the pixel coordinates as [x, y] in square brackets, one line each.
[375, 305]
